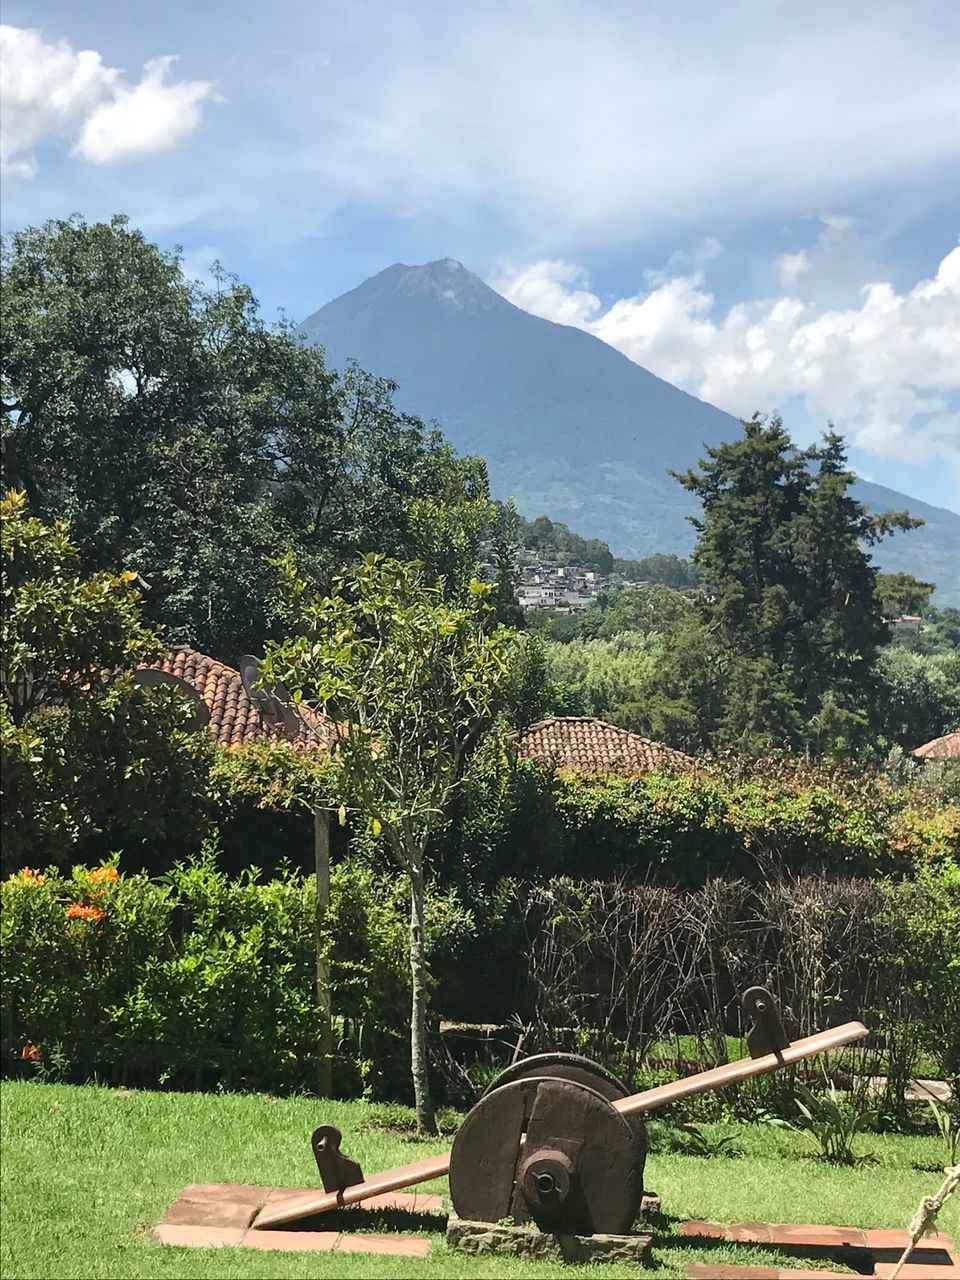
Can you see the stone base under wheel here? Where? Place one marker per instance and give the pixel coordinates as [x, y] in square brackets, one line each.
[527, 1242]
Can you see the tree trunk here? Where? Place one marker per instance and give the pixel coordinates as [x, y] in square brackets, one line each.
[321, 850]
[426, 1119]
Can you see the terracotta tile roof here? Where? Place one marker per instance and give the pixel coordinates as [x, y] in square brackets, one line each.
[235, 718]
[584, 742]
[945, 748]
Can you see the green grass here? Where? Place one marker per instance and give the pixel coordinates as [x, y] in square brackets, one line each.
[86, 1173]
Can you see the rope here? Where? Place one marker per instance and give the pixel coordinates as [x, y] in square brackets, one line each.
[926, 1215]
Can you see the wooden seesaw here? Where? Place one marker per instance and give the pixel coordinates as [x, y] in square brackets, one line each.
[556, 1139]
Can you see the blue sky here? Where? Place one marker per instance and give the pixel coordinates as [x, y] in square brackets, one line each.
[759, 201]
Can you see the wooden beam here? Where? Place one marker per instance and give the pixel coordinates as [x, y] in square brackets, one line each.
[744, 1069]
[409, 1175]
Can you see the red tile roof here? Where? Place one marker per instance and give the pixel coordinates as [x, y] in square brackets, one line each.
[945, 748]
[592, 745]
[235, 718]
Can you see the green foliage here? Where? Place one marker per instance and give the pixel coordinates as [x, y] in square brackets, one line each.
[504, 546]
[555, 543]
[930, 961]
[202, 981]
[833, 1121]
[949, 1131]
[528, 693]
[86, 755]
[731, 817]
[917, 696]
[273, 774]
[411, 682]
[902, 593]
[60, 630]
[708, 1144]
[670, 570]
[660, 681]
[789, 589]
[191, 442]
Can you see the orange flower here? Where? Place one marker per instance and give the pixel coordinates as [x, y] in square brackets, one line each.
[103, 873]
[77, 912]
[31, 876]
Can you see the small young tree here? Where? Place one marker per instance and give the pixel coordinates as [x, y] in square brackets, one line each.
[411, 681]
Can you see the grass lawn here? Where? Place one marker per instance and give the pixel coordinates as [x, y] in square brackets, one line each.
[87, 1171]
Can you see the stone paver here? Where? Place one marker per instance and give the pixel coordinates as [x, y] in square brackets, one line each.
[751, 1232]
[811, 1233]
[398, 1246]
[292, 1241]
[917, 1271]
[729, 1271]
[218, 1214]
[697, 1227]
[195, 1237]
[805, 1273]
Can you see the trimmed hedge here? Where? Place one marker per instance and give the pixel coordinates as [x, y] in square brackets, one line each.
[728, 818]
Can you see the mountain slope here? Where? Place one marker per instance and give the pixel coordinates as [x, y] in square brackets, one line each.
[568, 425]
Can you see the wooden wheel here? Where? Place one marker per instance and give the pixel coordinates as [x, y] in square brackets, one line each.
[550, 1150]
[565, 1066]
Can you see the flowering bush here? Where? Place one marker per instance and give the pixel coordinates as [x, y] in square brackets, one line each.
[200, 980]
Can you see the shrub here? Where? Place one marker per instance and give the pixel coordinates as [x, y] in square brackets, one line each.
[201, 981]
[729, 818]
[832, 1120]
[649, 977]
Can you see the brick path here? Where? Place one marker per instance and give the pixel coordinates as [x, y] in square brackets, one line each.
[935, 1257]
[217, 1214]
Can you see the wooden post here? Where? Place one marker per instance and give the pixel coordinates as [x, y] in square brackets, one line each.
[321, 850]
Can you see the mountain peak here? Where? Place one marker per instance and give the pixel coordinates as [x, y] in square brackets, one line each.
[567, 424]
[446, 281]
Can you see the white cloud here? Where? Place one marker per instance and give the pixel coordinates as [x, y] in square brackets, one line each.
[885, 369]
[791, 267]
[51, 90]
[549, 289]
[574, 122]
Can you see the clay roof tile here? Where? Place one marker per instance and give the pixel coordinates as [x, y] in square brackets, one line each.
[235, 718]
[593, 746]
[945, 748]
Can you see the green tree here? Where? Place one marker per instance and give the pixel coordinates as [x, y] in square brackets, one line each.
[187, 439]
[918, 696]
[83, 750]
[505, 535]
[412, 682]
[789, 589]
[902, 593]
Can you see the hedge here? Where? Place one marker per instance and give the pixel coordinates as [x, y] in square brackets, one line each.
[753, 820]
[201, 981]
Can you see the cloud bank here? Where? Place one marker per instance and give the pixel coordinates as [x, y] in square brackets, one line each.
[575, 121]
[886, 370]
[51, 90]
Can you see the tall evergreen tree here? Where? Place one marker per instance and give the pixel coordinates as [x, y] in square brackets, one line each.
[789, 587]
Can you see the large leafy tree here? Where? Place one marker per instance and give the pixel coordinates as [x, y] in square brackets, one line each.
[789, 587]
[187, 439]
[411, 681]
[83, 750]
